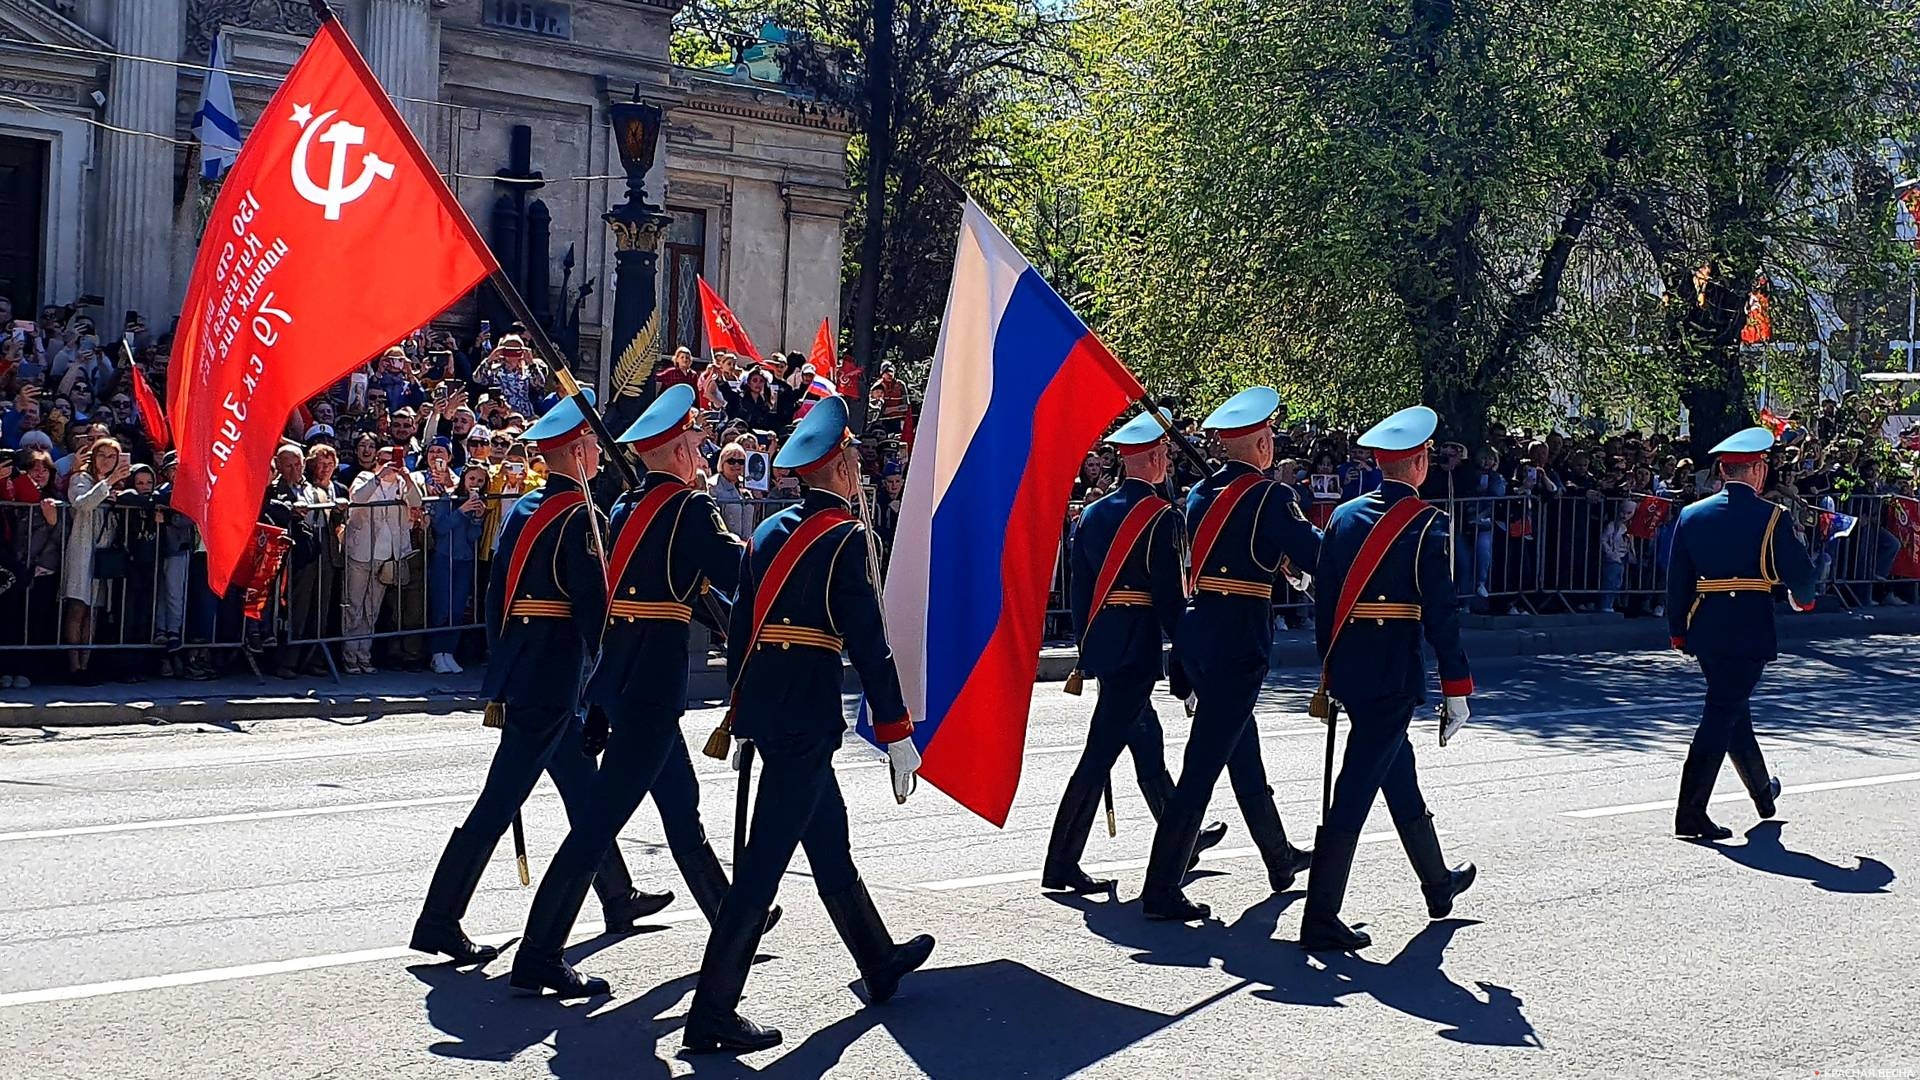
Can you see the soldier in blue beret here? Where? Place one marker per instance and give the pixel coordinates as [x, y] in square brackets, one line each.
[1385, 580]
[1730, 551]
[668, 544]
[1244, 526]
[1126, 593]
[546, 602]
[805, 596]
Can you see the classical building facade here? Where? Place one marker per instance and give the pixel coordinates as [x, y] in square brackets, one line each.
[753, 176]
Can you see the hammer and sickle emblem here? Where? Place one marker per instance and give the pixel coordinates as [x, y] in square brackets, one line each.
[338, 192]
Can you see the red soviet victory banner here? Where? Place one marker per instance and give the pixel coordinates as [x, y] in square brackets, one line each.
[1903, 521]
[332, 238]
[1648, 516]
[723, 326]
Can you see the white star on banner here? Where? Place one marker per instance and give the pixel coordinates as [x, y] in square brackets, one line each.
[303, 115]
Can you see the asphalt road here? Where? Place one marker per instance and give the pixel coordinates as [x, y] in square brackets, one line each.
[194, 902]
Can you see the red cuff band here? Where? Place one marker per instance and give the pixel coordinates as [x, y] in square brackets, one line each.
[1457, 687]
[1678, 643]
[894, 731]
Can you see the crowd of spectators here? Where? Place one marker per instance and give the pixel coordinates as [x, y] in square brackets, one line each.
[391, 487]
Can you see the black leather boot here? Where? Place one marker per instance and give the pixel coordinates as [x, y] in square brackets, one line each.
[1438, 883]
[538, 963]
[1068, 842]
[621, 904]
[1763, 788]
[881, 962]
[707, 881]
[714, 1023]
[1159, 792]
[1173, 851]
[1690, 820]
[1284, 861]
[437, 930]
[1320, 927]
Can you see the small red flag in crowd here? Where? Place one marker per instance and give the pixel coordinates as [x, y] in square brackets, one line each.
[333, 237]
[1651, 513]
[822, 355]
[151, 418]
[723, 327]
[1774, 422]
[1759, 325]
[1903, 521]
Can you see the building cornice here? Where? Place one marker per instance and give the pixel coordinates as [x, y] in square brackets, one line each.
[768, 105]
[42, 23]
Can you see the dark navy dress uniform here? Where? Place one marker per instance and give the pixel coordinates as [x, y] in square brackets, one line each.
[540, 640]
[640, 684]
[788, 700]
[1223, 643]
[1122, 646]
[1730, 551]
[1375, 669]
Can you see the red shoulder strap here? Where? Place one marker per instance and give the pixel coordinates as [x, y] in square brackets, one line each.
[634, 529]
[1140, 517]
[784, 560]
[1215, 519]
[1367, 560]
[549, 511]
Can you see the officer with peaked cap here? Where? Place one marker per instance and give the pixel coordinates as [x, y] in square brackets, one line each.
[1385, 581]
[805, 595]
[1244, 526]
[667, 544]
[546, 602]
[1730, 551]
[1126, 593]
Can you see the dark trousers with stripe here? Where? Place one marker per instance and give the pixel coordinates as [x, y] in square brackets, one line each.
[1725, 731]
[1379, 760]
[645, 753]
[1224, 736]
[537, 738]
[1123, 719]
[798, 804]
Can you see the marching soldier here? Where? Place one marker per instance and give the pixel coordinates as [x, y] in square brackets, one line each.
[1385, 578]
[546, 603]
[1729, 553]
[1127, 592]
[668, 543]
[1243, 526]
[805, 595]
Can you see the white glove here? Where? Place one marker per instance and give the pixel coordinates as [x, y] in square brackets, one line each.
[903, 760]
[1452, 718]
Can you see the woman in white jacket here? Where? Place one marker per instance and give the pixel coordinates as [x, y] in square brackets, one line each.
[90, 518]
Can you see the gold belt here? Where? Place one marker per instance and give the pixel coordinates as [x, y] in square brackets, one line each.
[1128, 598]
[1734, 585]
[1381, 612]
[541, 609]
[663, 610]
[1236, 587]
[788, 636]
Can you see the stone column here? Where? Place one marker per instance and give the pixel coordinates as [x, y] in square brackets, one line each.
[400, 48]
[136, 173]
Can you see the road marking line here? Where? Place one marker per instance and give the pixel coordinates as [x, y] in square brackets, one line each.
[1216, 855]
[581, 932]
[223, 819]
[1732, 796]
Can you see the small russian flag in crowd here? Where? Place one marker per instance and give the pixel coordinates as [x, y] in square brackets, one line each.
[1018, 391]
[820, 387]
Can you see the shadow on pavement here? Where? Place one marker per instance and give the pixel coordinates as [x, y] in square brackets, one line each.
[1765, 851]
[993, 1019]
[1413, 982]
[485, 1021]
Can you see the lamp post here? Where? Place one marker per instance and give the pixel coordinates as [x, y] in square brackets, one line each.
[637, 225]
[1904, 192]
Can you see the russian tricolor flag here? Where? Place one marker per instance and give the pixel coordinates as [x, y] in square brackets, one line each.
[1018, 392]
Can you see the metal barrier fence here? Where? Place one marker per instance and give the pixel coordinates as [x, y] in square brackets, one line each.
[410, 580]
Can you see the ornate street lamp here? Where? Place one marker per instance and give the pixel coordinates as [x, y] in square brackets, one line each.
[637, 224]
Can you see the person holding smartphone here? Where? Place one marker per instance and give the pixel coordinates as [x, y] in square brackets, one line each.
[378, 541]
[455, 517]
